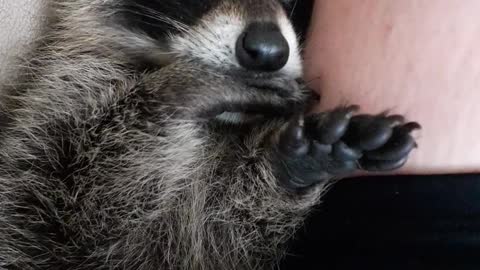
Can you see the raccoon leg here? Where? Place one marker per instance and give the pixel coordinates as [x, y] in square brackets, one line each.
[337, 143]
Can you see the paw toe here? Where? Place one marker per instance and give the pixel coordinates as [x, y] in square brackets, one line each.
[292, 141]
[398, 146]
[342, 151]
[328, 128]
[319, 151]
[394, 153]
[367, 132]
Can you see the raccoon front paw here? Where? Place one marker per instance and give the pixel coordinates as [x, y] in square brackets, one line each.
[337, 143]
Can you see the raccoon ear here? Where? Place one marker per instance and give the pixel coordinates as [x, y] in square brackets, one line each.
[300, 12]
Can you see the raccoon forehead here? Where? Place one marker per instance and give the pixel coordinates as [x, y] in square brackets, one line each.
[158, 18]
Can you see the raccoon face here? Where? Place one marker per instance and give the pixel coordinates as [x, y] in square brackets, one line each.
[247, 40]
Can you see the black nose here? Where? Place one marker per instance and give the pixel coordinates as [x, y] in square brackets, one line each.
[262, 47]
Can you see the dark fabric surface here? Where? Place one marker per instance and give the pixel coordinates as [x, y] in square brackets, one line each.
[403, 222]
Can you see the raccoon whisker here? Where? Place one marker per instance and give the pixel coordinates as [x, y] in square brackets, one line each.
[292, 12]
[213, 35]
[211, 72]
[308, 82]
[158, 17]
[199, 38]
[153, 24]
[178, 25]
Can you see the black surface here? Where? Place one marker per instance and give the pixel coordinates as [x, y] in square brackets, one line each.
[404, 222]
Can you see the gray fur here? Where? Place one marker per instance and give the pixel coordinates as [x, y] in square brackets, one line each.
[105, 165]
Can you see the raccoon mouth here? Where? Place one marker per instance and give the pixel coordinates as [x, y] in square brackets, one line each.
[248, 113]
[238, 117]
[244, 113]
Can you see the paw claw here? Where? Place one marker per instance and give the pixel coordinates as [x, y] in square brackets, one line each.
[352, 109]
[396, 119]
[411, 126]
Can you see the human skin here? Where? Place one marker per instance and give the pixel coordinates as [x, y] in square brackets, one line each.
[420, 58]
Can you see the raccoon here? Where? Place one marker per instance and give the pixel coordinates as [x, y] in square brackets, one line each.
[171, 134]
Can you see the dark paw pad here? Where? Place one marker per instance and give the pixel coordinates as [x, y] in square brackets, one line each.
[337, 143]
